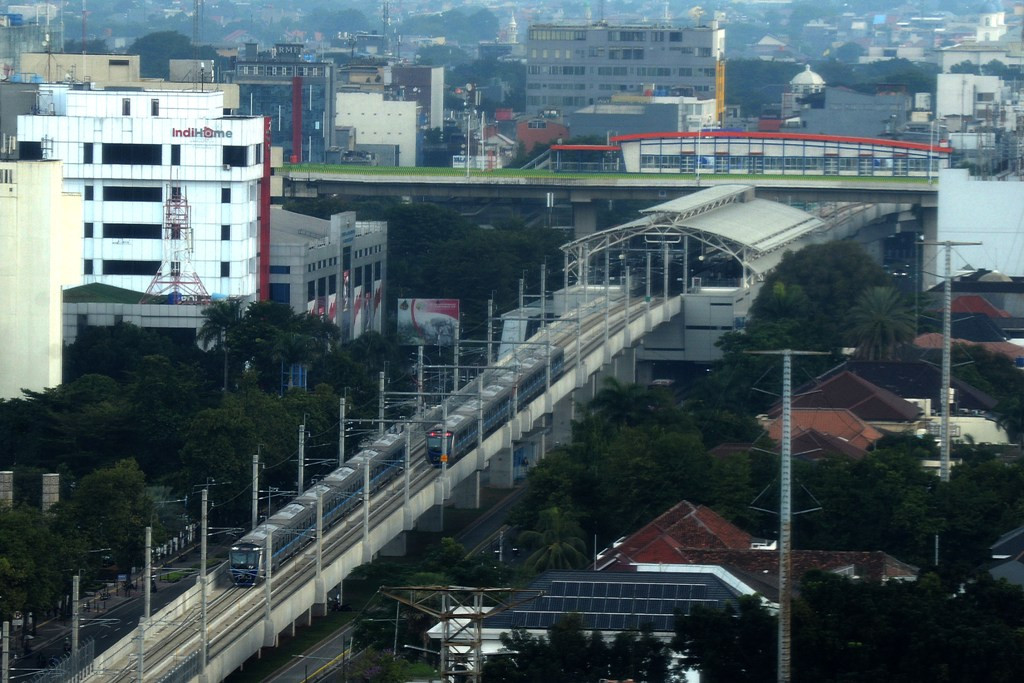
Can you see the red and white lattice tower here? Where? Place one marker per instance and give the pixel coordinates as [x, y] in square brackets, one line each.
[177, 281]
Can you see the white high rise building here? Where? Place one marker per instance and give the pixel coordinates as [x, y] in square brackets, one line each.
[128, 151]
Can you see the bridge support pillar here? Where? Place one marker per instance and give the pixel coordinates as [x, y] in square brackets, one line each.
[584, 217]
[625, 366]
[320, 595]
[501, 473]
[929, 252]
[269, 633]
[395, 547]
[466, 496]
[432, 520]
[561, 420]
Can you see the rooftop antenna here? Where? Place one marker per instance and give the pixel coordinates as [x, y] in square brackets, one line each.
[176, 282]
[83, 40]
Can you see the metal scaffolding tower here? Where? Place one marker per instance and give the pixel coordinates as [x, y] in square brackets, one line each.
[176, 282]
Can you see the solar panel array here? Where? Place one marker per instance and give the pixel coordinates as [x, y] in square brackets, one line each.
[614, 605]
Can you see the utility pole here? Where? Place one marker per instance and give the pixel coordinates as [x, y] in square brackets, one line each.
[75, 586]
[380, 403]
[341, 431]
[302, 459]
[785, 632]
[947, 354]
[255, 488]
[202, 585]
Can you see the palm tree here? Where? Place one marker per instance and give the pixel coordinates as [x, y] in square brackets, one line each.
[1010, 417]
[880, 322]
[220, 317]
[558, 540]
[292, 348]
[621, 403]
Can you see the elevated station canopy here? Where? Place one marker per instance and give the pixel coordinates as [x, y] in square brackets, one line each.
[725, 218]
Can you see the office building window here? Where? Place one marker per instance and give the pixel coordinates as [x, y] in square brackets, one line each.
[88, 230]
[87, 153]
[225, 195]
[30, 150]
[88, 267]
[175, 155]
[225, 233]
[121, 153]
[120, 193]
[154, 107]
[225, 269]
[89, 193]
[126, 107]
[132, 231]
[280, 270]
[234, 155]
[281, 292]
[130, 267]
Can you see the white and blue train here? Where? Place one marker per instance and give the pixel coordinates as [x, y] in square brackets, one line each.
[500, 390]
[294, 525]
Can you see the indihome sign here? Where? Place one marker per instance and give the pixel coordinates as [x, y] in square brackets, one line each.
[205, 132]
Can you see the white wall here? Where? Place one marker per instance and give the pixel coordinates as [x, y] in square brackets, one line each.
[380, 122]
[957, 93]
[95, 117]
[42, 252]
[986, 211]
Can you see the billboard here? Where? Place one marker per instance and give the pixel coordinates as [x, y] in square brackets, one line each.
[430, 322]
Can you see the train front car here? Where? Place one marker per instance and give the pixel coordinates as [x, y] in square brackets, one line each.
[245, 564]
[436, 445]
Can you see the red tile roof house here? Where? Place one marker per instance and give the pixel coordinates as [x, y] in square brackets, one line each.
[689, 534]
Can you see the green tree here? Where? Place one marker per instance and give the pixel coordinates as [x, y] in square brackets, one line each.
[112, 510]
[734, 644]
[622, 403]
[1010, 418]
[218, 319]
[558, 540]
[880, 322]
[155, 51]
[377, 666]
[30, 566]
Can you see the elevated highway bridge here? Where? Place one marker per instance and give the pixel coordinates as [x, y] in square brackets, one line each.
[582, 190]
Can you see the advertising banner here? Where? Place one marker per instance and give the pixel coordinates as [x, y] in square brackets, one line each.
[430, 322]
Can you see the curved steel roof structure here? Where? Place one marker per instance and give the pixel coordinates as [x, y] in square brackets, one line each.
[726, 218]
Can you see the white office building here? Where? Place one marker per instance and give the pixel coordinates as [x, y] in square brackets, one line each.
[41, 255]
[127, 152]
[387, 128]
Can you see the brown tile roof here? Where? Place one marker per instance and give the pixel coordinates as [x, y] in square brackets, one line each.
[840, 423]
[933, 340]
[973, 303]
[868, 565]
[867, 401]
[683, 526]
[813, 446]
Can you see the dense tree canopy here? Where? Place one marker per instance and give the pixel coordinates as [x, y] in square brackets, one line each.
[155, 51]
[859, 631]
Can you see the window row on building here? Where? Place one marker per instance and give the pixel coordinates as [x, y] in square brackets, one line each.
[754, 153]
[720, 163]
[280, 70]
[143, 268]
